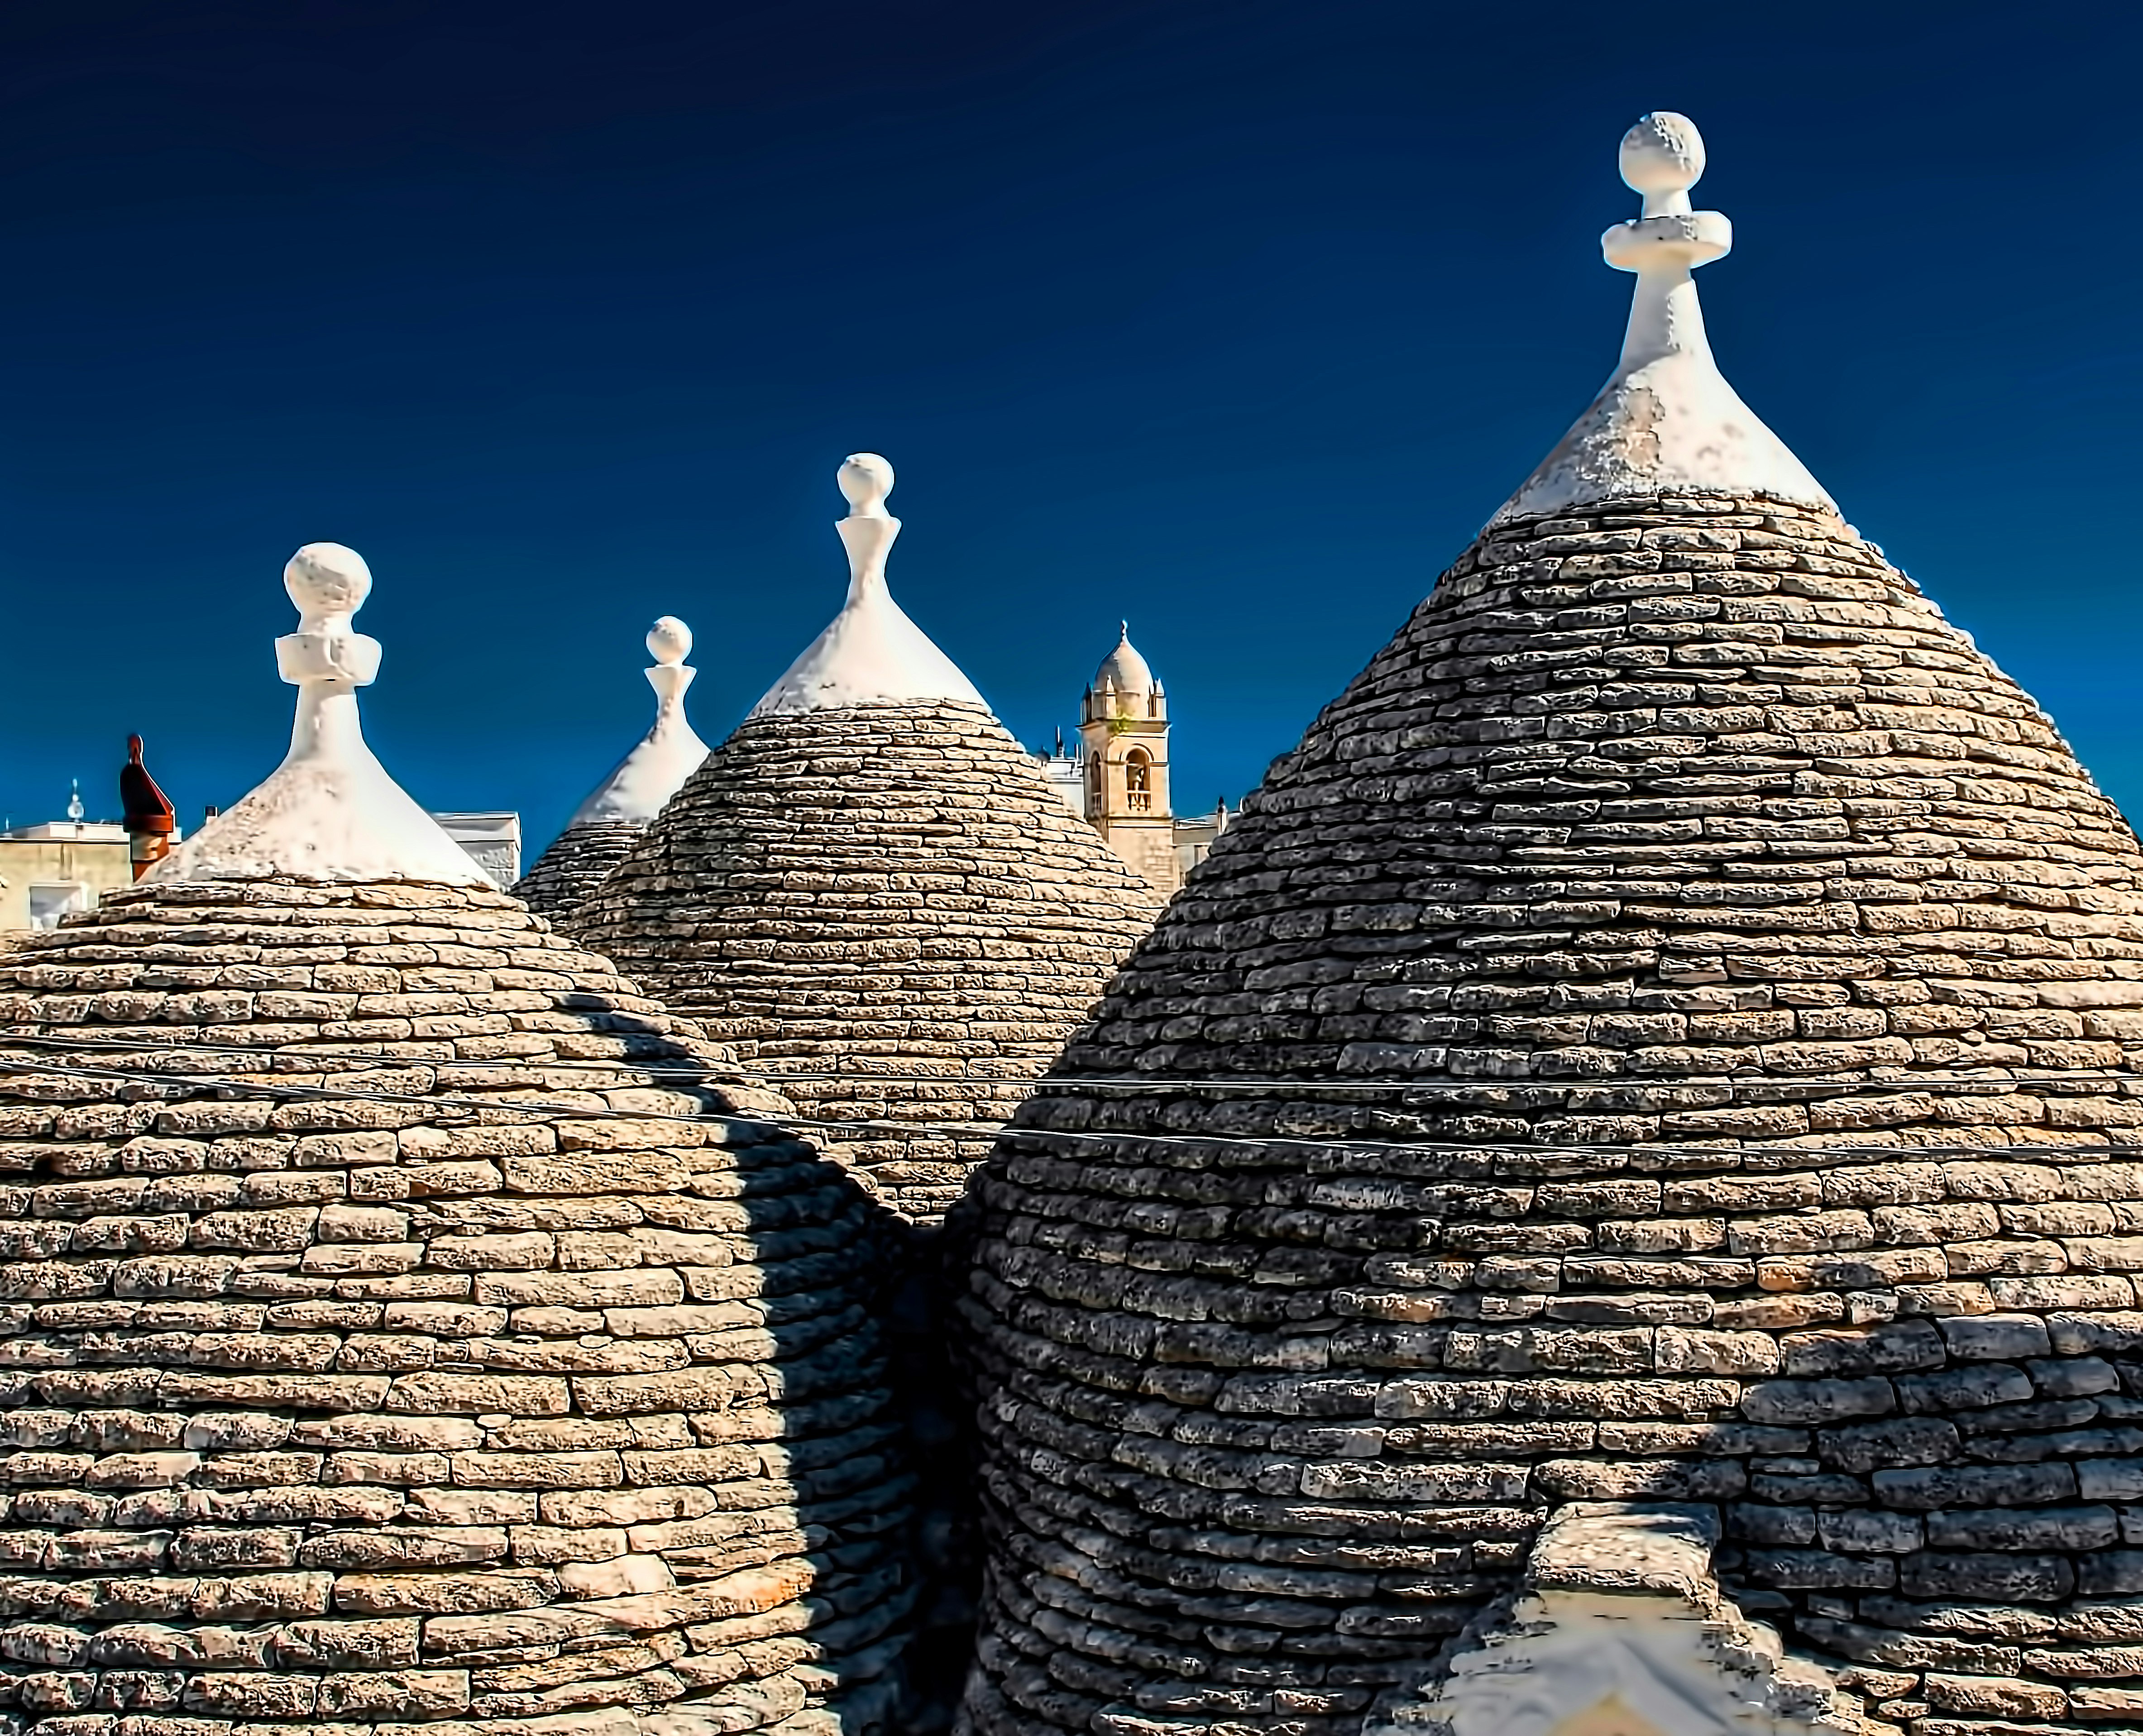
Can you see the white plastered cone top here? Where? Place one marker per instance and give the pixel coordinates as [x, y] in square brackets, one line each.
[1666, 421]
[871, 654]
[330, 811]
[669, 752]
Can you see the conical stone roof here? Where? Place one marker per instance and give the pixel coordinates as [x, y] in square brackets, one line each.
[601, 832]
[406, 1322]
[346, 1386]
[1668, 1033]
[573, 865]
[868, 889]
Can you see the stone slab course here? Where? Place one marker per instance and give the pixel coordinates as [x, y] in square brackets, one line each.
[884, 908]
[1668, 1034]
[341, 1391]
[888, 896]
[567, 873]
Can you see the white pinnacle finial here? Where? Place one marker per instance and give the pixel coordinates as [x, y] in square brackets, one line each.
[1663, 158]
[865, 479]
[329, 812]
[871, 654]
[869, 530]
[1666, 421]
[327, 656]
[328, 583]
[669, 641]
[663, 759]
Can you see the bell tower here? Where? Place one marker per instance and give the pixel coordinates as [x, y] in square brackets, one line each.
[1123, 721]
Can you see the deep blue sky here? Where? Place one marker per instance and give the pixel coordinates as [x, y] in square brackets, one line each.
[1236, 319]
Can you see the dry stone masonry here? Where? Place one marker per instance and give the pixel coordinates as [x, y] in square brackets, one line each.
[886, 907]
[341, 1387]
[873, 893]
[1668, 1034]
[406, 1326]
[567, 874]
[870, 890]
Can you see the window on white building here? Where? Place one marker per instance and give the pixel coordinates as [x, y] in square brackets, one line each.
[52, 899]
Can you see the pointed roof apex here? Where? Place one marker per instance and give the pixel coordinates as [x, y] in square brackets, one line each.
[872, 654]
[1124, 671]
[1666, 421]
[330, 811]
[669, 752]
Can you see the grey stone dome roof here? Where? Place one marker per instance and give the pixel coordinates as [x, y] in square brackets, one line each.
[1668, 1033]
[887, 895]
[573, 866]
[342, 1387]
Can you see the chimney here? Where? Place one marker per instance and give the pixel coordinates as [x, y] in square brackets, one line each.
[149, 819]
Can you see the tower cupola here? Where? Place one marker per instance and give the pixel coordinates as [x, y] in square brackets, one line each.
[1124, 686]
[1123, 727]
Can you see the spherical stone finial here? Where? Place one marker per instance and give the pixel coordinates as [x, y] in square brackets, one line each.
[1662, 154]
[327, 580]
[866, 479]
[669, 641]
